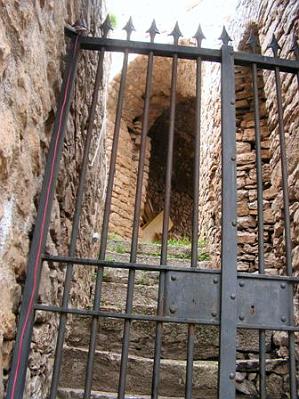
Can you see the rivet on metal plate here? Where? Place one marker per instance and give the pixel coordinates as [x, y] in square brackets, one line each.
[172, 308]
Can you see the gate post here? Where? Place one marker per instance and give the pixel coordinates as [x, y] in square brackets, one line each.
[228, 312]
[17, 379]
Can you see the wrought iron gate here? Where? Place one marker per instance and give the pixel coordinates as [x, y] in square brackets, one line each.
[224, 298]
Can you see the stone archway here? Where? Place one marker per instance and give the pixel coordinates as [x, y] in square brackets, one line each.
[183, 167]
[129, 143]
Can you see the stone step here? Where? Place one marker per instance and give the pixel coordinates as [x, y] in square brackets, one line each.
[151, 259]
[174, 341]
[142, 333]
[139, 374]
[142, 277]
[65, 393]
[69, 393]
[142, 338]
[144, 301]
[172, 375]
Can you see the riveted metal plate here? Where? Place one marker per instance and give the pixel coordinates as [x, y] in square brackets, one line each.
[261, 303]
[193, 296]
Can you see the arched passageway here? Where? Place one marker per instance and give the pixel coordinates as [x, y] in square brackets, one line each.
[156, 147]
[183, 167]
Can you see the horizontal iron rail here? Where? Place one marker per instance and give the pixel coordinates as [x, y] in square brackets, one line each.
[158, 268]
[153, 318]
[185, 52]
[121, 315]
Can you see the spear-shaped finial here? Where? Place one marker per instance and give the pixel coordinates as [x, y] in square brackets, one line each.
[274, 46]
[252, 41]
[199, 36]
[176, 33]
[153, 31]
[225, 38]
[80, 27]
[129, 28]
[295, 47]
[106, 26]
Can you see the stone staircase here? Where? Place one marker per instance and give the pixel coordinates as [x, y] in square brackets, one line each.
[142, 338]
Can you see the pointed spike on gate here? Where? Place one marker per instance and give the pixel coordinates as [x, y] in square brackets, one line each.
[224, 37]
[199, 36]
[274, 46]
[176, 33]
[129, 28]
[153, 31]
[106, 26]
[295, 47]
[252, 41]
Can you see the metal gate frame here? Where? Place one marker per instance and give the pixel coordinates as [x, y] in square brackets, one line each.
[224, 297]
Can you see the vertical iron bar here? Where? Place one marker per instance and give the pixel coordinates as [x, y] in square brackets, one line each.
[135, 232]
[194, 249]
[17, 378]
[105, 225]
[261, 258]
[163, 257]
[75, 228]
[190, 356]
[228, 316]
[194, 244]
[287, 229]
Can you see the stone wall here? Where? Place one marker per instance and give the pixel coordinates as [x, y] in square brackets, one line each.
[32, 49]
[283, 19]
[268, 17]
[210, 193]
[246, 175]
[285, 23]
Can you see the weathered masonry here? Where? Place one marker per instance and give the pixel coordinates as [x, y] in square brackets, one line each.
[213, 296]
[32, 60]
